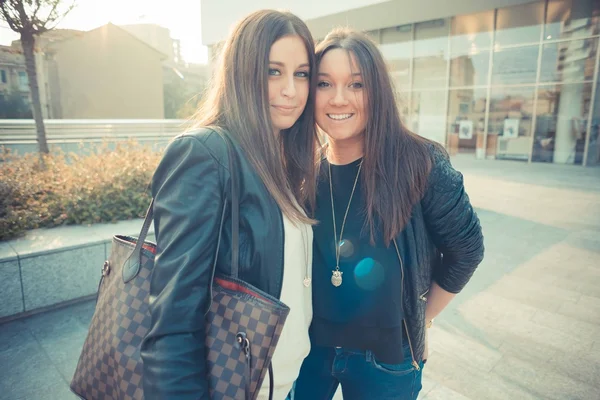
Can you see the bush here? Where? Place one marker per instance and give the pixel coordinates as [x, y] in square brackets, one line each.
[111, 183]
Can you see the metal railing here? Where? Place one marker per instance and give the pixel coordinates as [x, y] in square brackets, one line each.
[69, 134]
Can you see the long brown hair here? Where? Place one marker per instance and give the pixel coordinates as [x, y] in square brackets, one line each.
[396, 161]
[238, 101]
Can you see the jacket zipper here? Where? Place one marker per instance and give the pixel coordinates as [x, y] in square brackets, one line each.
[214, 269]
[282, 253]
[412, 354]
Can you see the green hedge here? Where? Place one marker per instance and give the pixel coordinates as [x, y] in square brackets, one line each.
[110, 183]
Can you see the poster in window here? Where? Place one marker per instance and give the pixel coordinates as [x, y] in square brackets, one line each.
[465, 129]
[511, 128]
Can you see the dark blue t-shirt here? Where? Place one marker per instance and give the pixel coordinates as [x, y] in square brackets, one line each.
[365, 312]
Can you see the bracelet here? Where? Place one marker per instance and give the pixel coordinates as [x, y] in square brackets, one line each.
[428, 324]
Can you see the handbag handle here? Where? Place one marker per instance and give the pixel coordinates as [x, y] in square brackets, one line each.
[131, 266]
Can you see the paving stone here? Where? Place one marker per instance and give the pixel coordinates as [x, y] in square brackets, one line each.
[586, 309]
[582, 330]
[443, 393]
[487, 306]
[463, 350]
[532, 293]
[544, 383]
[473, 383]
[427, 383]
[26, 371]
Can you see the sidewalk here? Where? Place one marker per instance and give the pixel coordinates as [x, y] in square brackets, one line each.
[526, 327]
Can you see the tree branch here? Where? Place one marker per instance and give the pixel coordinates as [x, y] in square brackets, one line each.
[37, 9]
[25, 21]
[24, 15]
[12, 20]
[60, 16]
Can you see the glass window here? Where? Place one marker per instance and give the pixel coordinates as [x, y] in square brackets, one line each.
[3, 76]
[469, 69]
[429, 72]
[374, 35]
[509, 124]
[466, 121]
[571, 61]
[567, 19]
[395, 34]
[398, 57]
[397, 51]
[472, 32]
[519, 24]
[515, 65]
[431, 54]
[403, 102]
[561, 123]
[470, 42]
[23, 80]
[428, 114]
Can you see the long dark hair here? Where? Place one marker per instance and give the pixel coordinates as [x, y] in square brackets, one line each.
[238, 101]
[396, 161]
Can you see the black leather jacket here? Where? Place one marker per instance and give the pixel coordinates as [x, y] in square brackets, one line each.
[189, 188]
[442, 242]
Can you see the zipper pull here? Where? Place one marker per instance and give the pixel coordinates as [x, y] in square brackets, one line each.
[416, 365]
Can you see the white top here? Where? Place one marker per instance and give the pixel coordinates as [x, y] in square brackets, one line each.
[294, 343]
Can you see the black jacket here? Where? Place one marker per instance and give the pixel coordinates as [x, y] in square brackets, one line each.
[442, 242]
[190, 188]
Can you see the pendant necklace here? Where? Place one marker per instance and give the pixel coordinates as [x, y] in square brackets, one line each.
[307, 277]
[336, 277]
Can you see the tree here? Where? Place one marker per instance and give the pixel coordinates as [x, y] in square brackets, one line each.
[31, 18]
[181, 98]
[174, 97]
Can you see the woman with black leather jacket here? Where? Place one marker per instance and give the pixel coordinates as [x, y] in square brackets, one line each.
[397, 236]
[262, 99]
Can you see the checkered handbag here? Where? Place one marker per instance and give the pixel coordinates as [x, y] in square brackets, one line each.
[243, 324]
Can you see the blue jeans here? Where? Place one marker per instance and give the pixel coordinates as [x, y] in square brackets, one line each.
[360, 374]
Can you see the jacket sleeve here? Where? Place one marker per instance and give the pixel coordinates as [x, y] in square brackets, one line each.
[452, 224]
[187, 209]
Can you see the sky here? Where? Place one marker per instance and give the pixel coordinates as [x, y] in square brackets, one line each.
[181, 17]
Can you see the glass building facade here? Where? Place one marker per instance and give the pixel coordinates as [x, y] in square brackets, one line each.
[517, 83]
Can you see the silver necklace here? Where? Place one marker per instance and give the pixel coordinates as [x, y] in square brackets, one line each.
[336, 276]
[307, 277]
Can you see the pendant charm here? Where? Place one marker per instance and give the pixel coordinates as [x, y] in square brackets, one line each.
[336, 278]
[306, 282]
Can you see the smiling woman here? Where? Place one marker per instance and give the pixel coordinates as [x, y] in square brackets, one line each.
[340, 102]
[389, 204]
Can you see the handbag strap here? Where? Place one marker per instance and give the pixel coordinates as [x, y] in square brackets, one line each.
[235, 211]
[131, 267]
[134, 261]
